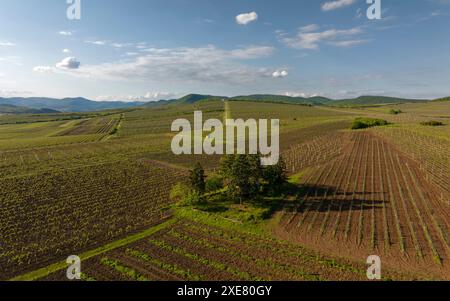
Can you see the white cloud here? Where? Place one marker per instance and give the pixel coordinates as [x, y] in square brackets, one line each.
[335, 37]
[252, 52]
[6, 44]
[349, 43]
[65, 33]
[301, 94]
[43, 69]
[194, 65]
[69, 63]
[244, 19]
[97, 42]
[111, 44]
[332, 5]
[149, 96]
[280, 74]
[121, 45]
[309, 28]
[66, 50]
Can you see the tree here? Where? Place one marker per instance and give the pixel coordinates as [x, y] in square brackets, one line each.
[275, 175]
[214, 183]
[197, 178]
[242, 174]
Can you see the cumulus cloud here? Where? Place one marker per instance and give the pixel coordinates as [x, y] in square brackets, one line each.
[280, 74]
[69, 63]
[65, 33]
[66, 50]
[334, 37]
[332, 5]
[244, 19]
[207, 64]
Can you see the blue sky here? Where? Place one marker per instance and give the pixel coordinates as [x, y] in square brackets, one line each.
[148, 50]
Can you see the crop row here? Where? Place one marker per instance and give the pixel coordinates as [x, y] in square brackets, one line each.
[45, 217]
[431, 152]
[375, 198]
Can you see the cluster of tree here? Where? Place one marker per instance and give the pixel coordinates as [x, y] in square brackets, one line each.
[364, 123]
[241, 176]
[395, 112]
[245, 177]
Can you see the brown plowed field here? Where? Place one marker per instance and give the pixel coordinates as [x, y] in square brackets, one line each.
[190, 250]
[372, 200]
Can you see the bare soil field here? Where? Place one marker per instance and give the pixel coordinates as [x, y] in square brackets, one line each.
[372, 200]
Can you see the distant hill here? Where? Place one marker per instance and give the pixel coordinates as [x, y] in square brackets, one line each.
[372, 100]
[152, 104]
[442, 99]
[284, 99]
[85, 105]
[67, 104]
[10, 109]
[193, 98]
[316, 100]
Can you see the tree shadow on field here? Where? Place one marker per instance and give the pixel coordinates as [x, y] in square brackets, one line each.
[291, 197]
[319, 190]
[323, 198]
[325, 205]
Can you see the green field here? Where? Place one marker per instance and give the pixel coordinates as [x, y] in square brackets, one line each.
[96, 184]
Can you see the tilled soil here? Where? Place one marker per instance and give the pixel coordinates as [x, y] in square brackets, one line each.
[378, 203]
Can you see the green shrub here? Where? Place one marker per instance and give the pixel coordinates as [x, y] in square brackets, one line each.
[395, 112]
[432, 123]
[364, 123]
[193, 198]
[214, 183]
[179, 193]
[183, 195]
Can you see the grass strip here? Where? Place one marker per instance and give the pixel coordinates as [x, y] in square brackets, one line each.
[43, 272]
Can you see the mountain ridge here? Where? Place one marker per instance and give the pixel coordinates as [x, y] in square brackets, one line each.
[76, 104]
[80, 104]
[12, 109]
